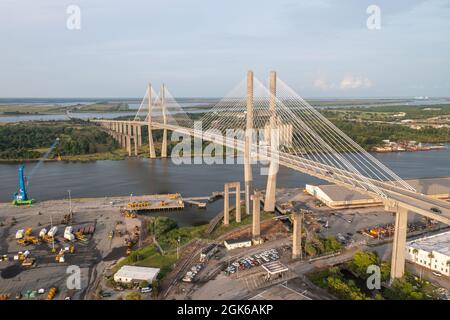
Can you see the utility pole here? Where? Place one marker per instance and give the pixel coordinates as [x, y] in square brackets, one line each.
[70, 206]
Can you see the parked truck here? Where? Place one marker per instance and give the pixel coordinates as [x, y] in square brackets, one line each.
[52, 232]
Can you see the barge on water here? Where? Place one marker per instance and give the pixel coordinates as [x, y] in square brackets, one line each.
[155, 202]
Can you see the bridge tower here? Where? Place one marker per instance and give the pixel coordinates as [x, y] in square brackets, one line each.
[248, 177]
[164, 112]
[151, 146]
[269, 203]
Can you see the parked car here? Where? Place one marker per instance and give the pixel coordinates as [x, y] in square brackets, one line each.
[146, 290]
[436, 210]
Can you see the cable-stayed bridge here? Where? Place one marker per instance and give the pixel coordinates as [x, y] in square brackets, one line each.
[275, 125]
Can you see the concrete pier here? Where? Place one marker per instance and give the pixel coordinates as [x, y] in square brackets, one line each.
[135, 138]
[226, 202]
[256, 221]
[399, 244]
[297, 219]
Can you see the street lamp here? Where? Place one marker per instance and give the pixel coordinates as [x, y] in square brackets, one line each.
[70, 204]
[178, 248]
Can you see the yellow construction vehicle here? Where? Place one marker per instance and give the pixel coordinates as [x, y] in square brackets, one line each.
[27, 240]
[48, 239]
[21, 256]
[22, 242]
[51, 293]
[79, 235]
[4, 296]
[67, 219]
[28, 231]
[28, 262]
[128, 214]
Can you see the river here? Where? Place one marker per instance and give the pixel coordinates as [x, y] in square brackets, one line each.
[150, 176]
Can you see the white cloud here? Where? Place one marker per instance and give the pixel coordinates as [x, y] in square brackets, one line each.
[321, 84]
[350, 82]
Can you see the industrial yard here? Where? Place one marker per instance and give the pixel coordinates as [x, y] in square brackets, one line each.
[227, 264]
[91, 251]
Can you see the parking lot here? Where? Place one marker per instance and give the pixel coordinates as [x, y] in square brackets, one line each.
[252, 261]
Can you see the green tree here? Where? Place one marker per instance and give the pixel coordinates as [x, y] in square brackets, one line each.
[133, 296]
[361, 261]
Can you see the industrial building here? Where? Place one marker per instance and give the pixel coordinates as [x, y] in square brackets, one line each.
[335, 196]
[231, 244]
[432, 252]
[128, 274]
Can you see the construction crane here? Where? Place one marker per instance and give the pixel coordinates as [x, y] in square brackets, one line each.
[21, 197]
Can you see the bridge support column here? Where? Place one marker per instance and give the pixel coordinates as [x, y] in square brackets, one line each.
[256, 223]
[399, 244]
[238, 201]
[297, 235]
[269, 203]
[164, 144]
[151, 146]
[248, 177]
[226, 202]
[135, 138]
[128, 139]
[226, 205]
[139, 134]
[122, 136]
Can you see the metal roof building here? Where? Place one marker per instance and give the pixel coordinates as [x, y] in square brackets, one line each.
[339, 197]
[127, 274]
[432, 252]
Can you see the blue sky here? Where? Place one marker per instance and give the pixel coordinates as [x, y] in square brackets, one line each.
[202, 48]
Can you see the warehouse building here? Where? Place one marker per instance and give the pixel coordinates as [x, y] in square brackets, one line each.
[231, 244]
[339, 197]
[128, 274]
[431, 252]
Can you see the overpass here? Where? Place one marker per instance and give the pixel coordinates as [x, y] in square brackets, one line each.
[278, 127]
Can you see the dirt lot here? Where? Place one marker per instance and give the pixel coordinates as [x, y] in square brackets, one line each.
[91, 256]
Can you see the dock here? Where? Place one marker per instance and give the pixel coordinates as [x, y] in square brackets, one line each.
[155, 202]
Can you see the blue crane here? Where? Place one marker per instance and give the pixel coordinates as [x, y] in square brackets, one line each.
[21, 197]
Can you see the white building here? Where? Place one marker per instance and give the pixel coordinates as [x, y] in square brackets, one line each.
[432, 252]
[128, 274]
[237, 243]
[335, 196]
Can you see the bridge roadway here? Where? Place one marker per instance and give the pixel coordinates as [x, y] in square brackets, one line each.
[393, 196]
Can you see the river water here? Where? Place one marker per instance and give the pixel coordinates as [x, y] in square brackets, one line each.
[150, 176]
